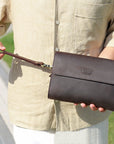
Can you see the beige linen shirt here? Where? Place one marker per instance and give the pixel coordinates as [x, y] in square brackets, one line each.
[41, 27]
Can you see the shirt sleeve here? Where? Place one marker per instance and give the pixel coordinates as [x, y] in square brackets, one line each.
[110, 32]
[4, 16]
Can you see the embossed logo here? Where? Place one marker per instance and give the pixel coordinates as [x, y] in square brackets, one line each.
[86, 71]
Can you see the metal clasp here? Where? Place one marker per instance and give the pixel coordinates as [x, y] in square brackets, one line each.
[46, 66]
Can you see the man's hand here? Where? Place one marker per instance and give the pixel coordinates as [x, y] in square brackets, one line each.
[92, 106]
[107, 53]
[1, 48]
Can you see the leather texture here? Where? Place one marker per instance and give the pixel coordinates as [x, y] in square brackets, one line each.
[77, 78]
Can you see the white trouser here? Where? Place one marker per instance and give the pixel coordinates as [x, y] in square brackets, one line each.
[96, 134]
[27, 136]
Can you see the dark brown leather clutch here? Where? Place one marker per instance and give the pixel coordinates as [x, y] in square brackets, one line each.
[76, 78]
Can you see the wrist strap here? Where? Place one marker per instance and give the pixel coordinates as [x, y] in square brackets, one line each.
[40, 64]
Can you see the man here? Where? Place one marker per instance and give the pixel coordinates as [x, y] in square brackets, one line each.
[40, 28]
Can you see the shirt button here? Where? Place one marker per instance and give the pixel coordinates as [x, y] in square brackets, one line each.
[57, 22]
[56, 49]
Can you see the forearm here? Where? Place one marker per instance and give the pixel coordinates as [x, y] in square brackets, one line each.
[108, 53]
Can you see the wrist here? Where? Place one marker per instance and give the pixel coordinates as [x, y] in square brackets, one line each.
[108, 53]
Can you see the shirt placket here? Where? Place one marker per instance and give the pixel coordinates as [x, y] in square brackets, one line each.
[57, 22]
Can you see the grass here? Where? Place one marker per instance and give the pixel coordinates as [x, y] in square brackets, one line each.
[9, 44]
[111, 129]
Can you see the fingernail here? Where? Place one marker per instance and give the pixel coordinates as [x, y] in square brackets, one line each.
[101, 109]
[82, 105]
[3, 48]
[75, 104]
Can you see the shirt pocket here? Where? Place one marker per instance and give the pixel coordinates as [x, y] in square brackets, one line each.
[91, 21]
[93, 9]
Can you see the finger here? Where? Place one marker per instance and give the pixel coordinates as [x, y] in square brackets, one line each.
[1, 56]
[93, 107]
[75, 104]
[83, 105]
[101, 109]
[2, 47]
